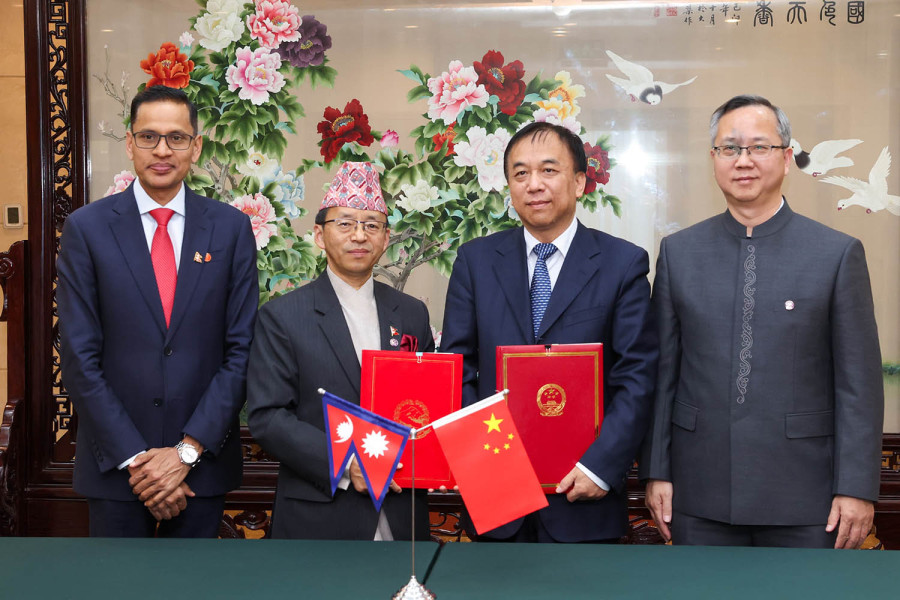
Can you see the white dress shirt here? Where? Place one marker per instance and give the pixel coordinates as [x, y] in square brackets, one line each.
[361, 314]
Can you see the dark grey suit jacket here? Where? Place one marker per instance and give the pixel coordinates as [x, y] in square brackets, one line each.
[302, 343]
[769, 398]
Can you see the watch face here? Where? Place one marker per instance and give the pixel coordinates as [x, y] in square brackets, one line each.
[188, 454]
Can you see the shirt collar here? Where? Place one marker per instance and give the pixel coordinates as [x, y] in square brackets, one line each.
[562, 242]
[344, 290]
[145, 203]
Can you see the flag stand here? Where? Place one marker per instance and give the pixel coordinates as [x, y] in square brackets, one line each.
[413, 590]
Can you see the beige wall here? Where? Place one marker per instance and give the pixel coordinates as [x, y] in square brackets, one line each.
[12, 130]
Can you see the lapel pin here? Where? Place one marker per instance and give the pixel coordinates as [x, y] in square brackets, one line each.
[789, 305]
[197, 257]
[208, 257]
[394, 331]
[395, 342]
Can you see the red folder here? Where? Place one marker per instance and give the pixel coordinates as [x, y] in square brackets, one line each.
[414, 389]
[556, 400]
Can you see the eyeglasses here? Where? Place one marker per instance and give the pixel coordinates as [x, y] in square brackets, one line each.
[348, 225]
[148, 140]
[756, 150]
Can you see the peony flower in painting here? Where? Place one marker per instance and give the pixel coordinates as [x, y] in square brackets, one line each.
[597, 167]
[221, 25]
[342, 127]
[255, 73]
[120, 183]
[309, 50]
[454, 91]
[417, 198]
[484, 151]
[261, 213]
[168, 67]
[274, 22]
[503, 81]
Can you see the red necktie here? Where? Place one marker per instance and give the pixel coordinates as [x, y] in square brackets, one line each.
[163, 256]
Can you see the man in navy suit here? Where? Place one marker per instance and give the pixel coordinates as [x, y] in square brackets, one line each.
[598, 292]
[157, 301]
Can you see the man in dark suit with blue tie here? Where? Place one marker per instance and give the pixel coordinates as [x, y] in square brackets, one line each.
[556, 281]
[157, 301]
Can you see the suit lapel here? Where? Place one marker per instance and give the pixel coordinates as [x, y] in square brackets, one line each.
[387, 317]
[128, 232]
[197, 233]
[581, 263]
[335, 331]
[511, 270]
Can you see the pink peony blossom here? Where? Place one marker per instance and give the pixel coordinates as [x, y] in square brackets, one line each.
[261, 213]
[255, 72]
[120, 183]
[454, 91]
[275, 21]
[390, 139]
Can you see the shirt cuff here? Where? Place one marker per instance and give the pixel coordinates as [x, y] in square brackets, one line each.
[128, 461]
[603, 485]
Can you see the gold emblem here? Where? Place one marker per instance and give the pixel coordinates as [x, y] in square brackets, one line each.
[413, 413]
[551, 399]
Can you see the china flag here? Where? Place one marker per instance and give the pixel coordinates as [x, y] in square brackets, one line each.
[485, 453]
[376, 442]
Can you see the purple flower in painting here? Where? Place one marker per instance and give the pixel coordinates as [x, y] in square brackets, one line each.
[310, 49]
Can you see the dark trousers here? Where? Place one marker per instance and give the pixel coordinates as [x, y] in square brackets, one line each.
[115, 518]
[688, 530]
[533, 531]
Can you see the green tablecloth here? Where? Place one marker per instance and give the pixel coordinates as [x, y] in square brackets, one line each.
[77, 568]
[526, 571]
[64, 568]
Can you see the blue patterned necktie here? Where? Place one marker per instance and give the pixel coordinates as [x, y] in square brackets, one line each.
[540, 285]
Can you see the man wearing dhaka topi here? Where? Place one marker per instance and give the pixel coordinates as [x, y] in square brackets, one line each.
[312, 338]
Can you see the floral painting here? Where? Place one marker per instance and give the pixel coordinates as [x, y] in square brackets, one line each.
[246, 65]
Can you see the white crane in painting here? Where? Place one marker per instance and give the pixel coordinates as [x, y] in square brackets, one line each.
[873, 194]
[823, 157]
[640, 84]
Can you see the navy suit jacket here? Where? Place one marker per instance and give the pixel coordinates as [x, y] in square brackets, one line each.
[602, 295]
[302, 344]
[136, 384]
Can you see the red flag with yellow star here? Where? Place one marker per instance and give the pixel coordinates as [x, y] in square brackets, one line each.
[484, 451]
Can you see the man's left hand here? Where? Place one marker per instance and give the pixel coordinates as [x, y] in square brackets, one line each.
[578, 486]
[855, 517]
[155, 474]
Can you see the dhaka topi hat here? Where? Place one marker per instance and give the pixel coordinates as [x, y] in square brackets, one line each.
[356, 185]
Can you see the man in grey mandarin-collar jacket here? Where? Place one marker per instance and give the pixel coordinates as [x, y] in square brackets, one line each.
[769, 403]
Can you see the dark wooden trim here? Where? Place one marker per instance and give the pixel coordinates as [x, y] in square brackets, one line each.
[14, 282]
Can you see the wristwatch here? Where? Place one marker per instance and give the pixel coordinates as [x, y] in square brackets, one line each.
[188, 453]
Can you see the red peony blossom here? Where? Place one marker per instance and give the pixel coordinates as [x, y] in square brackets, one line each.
[447, 136]
[597, 167]
[503, 81]
[168, 67]
[339, 128]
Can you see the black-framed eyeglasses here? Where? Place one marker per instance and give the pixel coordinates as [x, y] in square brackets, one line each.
[148, 140]
[756, 150]
[348, 225]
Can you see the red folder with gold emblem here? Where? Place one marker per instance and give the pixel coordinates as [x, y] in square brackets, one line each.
[556, 400]
[414, 389]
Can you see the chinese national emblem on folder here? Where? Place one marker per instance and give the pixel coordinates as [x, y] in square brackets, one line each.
[556, 400]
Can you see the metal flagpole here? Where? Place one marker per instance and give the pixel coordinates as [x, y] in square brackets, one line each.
[413, 590]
